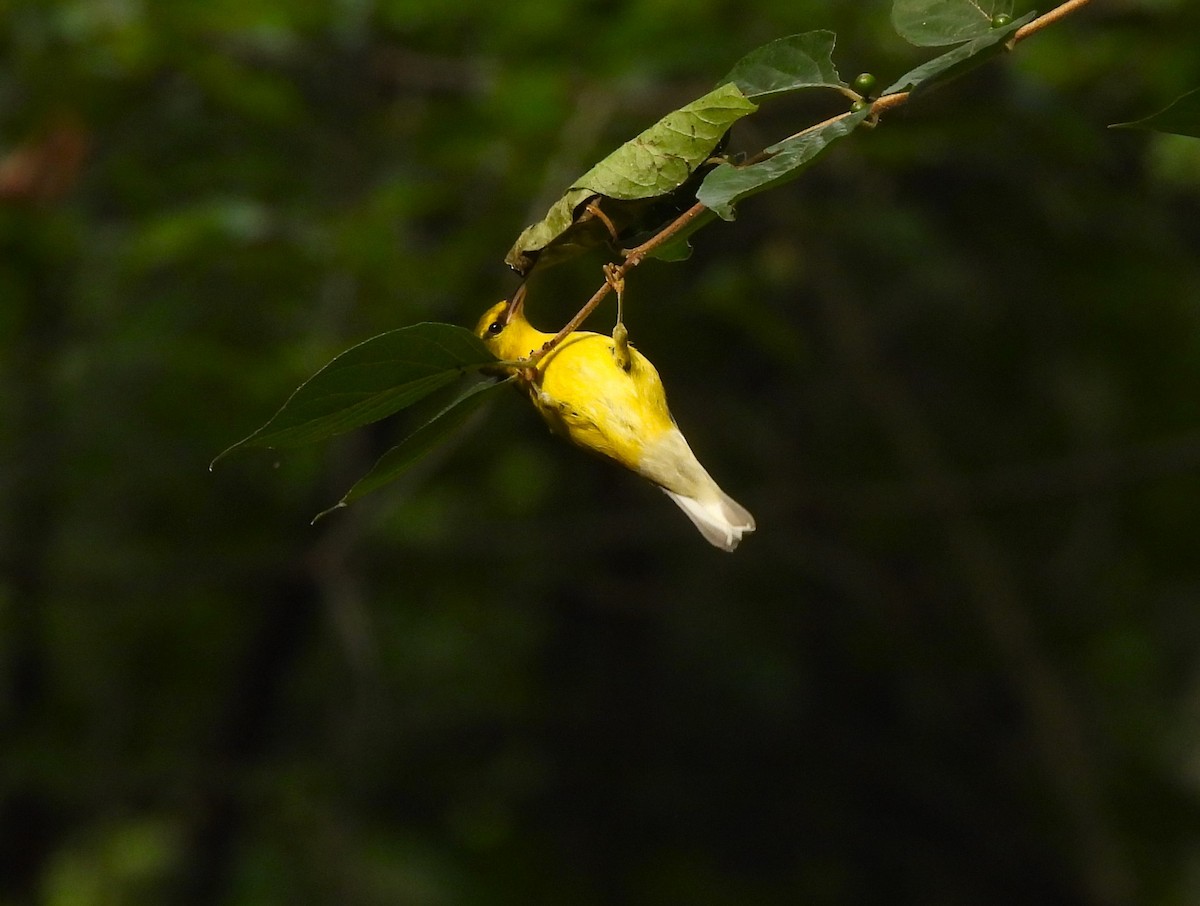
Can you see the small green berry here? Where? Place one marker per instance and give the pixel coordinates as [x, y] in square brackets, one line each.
[1001, 20]
[860, 104]
[864, 83]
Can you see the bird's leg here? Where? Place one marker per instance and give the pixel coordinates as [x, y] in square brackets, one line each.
[527, 371]
[620, 335]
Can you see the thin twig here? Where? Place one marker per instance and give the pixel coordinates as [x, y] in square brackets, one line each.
[890, 101]
[878, 106]
[573, 324]
[634, 256]
[1048, 19]
[765, 155]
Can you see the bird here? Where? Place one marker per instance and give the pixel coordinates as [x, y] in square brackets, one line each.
[605, 396]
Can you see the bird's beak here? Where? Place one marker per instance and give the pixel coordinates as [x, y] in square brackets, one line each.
[514, 307]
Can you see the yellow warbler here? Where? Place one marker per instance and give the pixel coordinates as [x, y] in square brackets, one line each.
[607, 397]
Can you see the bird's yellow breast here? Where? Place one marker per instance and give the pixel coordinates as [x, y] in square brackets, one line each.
[584, 394]
[607, 397]
[580, 388]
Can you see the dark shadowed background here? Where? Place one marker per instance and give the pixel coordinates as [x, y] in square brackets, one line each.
[953, 372]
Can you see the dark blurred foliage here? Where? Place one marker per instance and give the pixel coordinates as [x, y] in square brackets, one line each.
[952, 371]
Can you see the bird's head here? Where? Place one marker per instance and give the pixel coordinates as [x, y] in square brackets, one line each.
[505, 331]
[493, 321]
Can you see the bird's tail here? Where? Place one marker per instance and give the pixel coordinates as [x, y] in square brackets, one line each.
[721, 519]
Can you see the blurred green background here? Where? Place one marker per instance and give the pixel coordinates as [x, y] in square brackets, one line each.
[952, 371]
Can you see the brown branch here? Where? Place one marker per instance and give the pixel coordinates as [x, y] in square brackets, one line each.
[574, 323]
[878, 106]
[635, 256]
[1047, 19]
[889, 102]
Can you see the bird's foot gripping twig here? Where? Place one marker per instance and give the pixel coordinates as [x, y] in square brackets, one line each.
[620, 335]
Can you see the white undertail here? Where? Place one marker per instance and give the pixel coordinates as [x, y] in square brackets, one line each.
[673, 467]
[722, 521]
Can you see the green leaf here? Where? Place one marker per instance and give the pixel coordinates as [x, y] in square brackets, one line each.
[727, 184]
[788, 64]
[370, 381]
[930, 23]
[664, 156]
[398, 460]
[955, 62]
[650, 166]
[1180, 117]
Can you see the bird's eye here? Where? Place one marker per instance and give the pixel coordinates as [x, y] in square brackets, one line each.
[495, 327]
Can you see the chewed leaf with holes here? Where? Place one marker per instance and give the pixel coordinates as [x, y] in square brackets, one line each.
[645, 170]
[370, 381]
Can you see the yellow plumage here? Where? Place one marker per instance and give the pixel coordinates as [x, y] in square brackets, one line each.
[584, 393]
